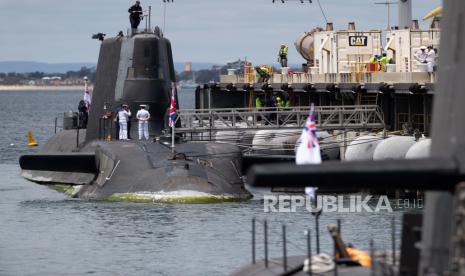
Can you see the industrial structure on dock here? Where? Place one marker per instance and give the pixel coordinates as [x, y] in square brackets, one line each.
[338, 72]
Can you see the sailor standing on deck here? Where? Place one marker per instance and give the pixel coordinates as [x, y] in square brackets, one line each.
[143, 116]
[135, 16]
[123, 118]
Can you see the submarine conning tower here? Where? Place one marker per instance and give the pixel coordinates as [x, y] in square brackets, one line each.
[134, 70]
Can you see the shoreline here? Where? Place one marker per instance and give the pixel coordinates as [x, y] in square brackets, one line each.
[45, 87]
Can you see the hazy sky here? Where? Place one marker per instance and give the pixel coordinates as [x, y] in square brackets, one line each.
[200, 30]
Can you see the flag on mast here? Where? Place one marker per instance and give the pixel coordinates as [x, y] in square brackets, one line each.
[308, 151]
[172, 107]
[87, 98]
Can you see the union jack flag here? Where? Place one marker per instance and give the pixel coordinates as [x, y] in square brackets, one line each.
[308, 151]
[172, 109]
[310, 130]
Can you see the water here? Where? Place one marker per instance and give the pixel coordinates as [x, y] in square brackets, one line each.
[42, 232]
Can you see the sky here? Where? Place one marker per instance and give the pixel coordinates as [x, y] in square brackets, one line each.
[217, 31]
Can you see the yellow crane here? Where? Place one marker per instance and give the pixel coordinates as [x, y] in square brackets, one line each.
[434, 13]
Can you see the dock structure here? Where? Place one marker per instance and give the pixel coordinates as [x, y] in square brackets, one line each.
[344, 67]
[404, 99]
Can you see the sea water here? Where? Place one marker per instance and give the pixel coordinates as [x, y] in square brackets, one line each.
[42, 232]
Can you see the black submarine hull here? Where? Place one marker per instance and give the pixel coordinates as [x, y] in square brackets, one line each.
[90, 164]
[139, 171]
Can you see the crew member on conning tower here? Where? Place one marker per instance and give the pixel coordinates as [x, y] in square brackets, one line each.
[123, 118]
[135, 16]
[143, 116]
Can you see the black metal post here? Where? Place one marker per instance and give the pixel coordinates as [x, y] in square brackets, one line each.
[150, 17]
[309, 251]
[284, 249]
[100, 129]
[372, 255]
[111, 130]
[335, 259]
[253, 241]
[56, 122]
[393, 238]
[77, 137]
[317, 226]
[265, 229]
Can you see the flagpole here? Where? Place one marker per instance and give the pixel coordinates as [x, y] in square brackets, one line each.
[172, 139]
[173, 92]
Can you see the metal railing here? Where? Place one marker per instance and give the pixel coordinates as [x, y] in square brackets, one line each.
[326, 117]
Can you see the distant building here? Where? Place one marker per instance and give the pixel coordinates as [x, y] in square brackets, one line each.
[188, 66]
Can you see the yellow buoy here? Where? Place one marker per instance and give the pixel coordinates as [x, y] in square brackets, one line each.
[31, 142]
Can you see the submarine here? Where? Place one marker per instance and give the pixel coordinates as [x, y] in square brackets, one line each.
[87, 163]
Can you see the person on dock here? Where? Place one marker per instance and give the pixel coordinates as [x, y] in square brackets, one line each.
[143, 116]
[431, 58]
[374, 59]
[258, 102]
[135, 16]
[385, 59]
[420, 55]
[263, 73]
[123, 118]
[282, 56]
[286, 100]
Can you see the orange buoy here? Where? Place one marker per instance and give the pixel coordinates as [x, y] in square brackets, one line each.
[31, 142]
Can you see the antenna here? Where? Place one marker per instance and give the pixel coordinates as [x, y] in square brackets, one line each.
[302, 2]
[388, 6]
[164, 12]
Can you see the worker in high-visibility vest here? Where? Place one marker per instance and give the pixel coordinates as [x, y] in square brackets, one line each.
[286, 100]
[385, 59]
[258, 102]
[263, 73]
[282, 56]
[374, 59]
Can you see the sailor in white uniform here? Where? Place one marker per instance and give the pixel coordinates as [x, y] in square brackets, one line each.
[420, 55]
[431, 58]
[143, 116]
[123, 118]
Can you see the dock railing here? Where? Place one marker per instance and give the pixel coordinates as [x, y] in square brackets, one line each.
[327, 118]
